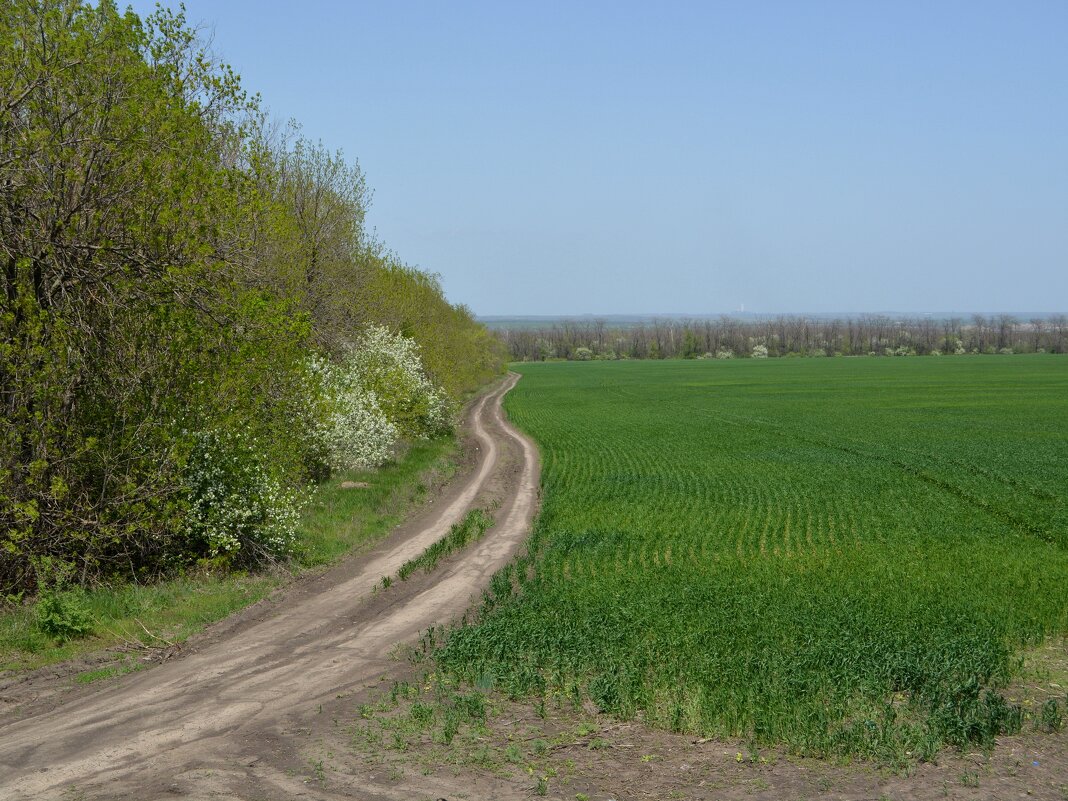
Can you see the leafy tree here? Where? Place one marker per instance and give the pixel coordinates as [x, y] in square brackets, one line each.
[169, 267]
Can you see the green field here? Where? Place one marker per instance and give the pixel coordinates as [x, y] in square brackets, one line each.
[843, 555]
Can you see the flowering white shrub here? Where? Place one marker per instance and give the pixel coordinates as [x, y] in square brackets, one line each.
[354, 432]
[376, 394]
[236, 508]
[726, 353]
[389, 365]
[760, 351]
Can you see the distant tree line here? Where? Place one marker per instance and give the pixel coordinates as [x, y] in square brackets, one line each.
[727, 337]
[185, 290]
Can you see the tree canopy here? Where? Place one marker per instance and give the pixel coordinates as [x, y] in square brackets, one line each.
[171, 266]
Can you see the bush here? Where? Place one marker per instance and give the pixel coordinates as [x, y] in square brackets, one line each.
[375, 394]
[726, 353]
[354, 431]
[237, 511]
[583, 354]
[389, 366]
[63, 615]
[760, 351]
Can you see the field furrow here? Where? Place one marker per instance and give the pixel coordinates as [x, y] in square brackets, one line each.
[844, 555]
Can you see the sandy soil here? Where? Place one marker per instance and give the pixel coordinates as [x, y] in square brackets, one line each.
[218, 718]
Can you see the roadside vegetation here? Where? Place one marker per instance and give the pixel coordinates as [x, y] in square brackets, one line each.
[844, 556]
[142, 618]
[471, 529]
[195, 327]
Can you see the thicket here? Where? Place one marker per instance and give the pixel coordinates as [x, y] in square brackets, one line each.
[191, 309]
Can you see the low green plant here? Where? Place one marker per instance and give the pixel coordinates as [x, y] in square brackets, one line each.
[1051, 718]
[470, 529]
[876, 540]
[64, 615]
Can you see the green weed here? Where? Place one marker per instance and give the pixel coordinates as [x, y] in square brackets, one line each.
[470, 529]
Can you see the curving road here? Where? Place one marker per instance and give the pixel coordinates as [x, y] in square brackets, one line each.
[220, 721]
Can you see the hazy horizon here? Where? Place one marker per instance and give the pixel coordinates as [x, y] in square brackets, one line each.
[585, 158]
[1023, 316]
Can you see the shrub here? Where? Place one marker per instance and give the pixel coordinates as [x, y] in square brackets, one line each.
[237, 511]
[583, 354]
[389, 366]
[375, 394]
[63, 615]
[60, 612]
[760, 351]
[354, 431]
[725, 353]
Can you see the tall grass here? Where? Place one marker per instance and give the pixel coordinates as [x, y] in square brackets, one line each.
[846, 556]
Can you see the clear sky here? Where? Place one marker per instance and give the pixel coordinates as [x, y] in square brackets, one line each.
[580, 157]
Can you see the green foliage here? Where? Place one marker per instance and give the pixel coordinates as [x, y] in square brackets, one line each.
[237, 512]
[842, 555]
[168, 270]
[63, 615]
[471, 529]
[60, 613]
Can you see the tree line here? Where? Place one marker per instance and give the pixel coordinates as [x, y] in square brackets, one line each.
[727, 337]
[193, 316]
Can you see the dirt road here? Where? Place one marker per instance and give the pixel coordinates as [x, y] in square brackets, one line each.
[220, 721]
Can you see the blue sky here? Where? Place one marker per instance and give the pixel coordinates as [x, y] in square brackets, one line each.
[568, 158]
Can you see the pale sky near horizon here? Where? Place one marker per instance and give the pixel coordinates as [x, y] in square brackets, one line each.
[615, 157]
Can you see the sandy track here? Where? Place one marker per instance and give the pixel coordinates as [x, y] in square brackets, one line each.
[218, 721]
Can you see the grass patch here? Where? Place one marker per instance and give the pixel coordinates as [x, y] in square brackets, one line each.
[471, 529]
[335, 522]
[171, 610]
[436, 724]
[90, 676]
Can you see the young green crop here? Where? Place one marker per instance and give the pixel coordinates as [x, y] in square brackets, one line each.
[843, 555]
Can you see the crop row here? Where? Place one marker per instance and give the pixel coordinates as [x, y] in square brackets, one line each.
[842, 556]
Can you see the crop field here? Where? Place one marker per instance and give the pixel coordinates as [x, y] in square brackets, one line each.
[842, 555]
